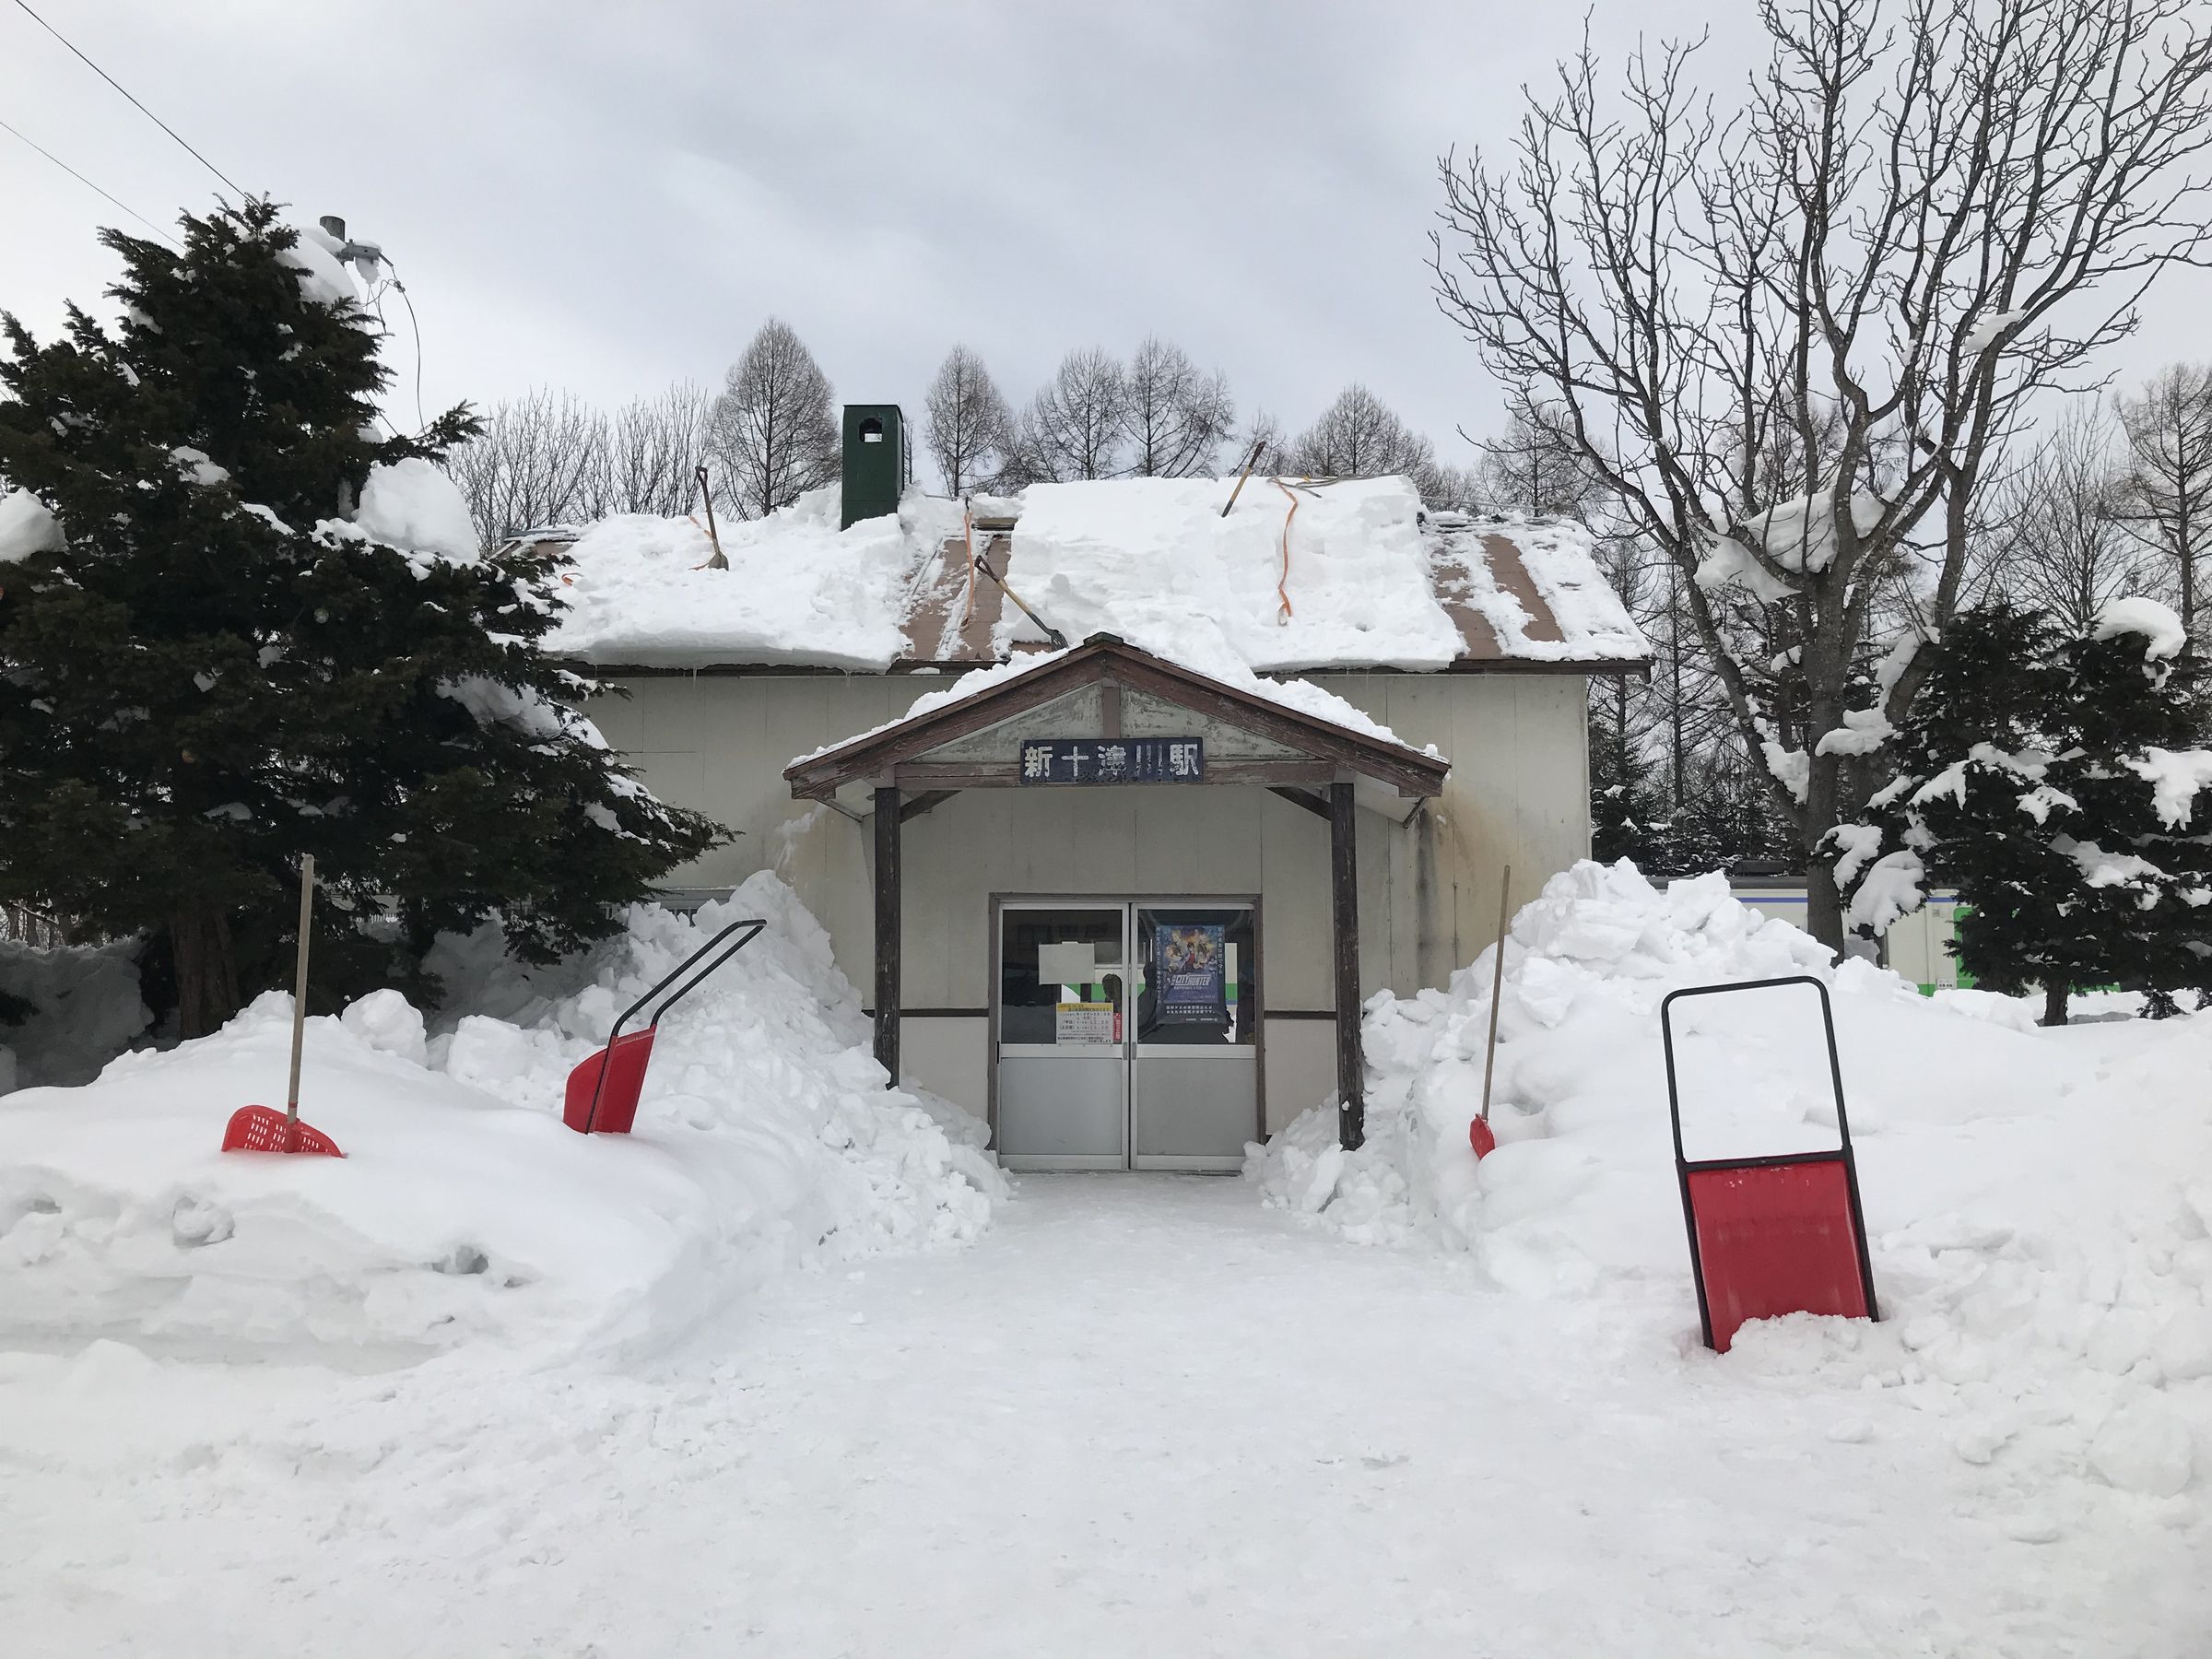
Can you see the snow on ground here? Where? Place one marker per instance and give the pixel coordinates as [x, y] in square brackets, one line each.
[1154, 1413]
[2040, 1212]
[465, 1214]
[1141, 1416]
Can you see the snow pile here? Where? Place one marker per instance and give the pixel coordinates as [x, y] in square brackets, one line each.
[2041, 1226]
[1150, 559]
[1153, 560]
[798, 589]
[465, 1213]
[413, 504]
[26, 527]
[86, 1010]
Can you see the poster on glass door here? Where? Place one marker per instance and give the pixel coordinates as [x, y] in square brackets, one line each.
[1192, 966]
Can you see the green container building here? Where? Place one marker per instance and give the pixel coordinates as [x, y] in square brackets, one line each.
[879, 465]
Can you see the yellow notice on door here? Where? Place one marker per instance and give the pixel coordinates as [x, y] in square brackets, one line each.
[1083, 1024]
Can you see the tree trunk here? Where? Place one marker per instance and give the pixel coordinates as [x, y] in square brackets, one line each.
[1823, 905]
[2054, 1006]
[206, 968]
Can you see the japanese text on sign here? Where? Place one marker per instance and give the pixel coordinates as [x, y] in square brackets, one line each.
[1112, 760]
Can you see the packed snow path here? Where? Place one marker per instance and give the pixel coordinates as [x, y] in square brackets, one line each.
[1141, 1416]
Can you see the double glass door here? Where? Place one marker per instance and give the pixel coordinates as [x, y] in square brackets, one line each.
[1125, 1034]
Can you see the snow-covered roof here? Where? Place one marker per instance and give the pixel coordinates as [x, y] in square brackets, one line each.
[1370, 580]
[1257, 726]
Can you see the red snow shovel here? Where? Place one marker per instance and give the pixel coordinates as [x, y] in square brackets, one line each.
[1479, 1134]
[264, 1128]
[602, 1097]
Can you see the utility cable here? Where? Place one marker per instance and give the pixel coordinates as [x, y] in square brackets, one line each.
[412, 323]
[89, 185]
[119, 87]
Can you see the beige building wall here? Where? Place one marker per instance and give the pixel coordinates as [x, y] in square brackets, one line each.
[1518, 792]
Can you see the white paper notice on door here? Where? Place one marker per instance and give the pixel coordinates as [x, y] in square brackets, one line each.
[1083, 1024]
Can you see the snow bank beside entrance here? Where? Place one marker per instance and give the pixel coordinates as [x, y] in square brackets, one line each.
[466, 1212]
[2039, 1203]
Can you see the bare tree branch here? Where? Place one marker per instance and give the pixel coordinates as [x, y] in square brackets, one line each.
[1792, 340]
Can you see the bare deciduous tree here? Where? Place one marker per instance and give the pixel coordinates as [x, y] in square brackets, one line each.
[1533, 467]
[1358, 436]
[966, 421]
[1262, 444]
[542, 460]
[655, 447]
[773, 429]
[1176, 415]
[2167, 495]
[2051, 538]
[1922, 214]
[1073, 428]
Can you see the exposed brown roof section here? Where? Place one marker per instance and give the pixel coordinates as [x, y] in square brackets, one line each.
[955, 610]
[953, 622]
[1512, 576]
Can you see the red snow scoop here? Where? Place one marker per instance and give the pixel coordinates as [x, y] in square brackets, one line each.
[1780, 1234]
[264, 1128]
[1480, 1136]
[603, 1090]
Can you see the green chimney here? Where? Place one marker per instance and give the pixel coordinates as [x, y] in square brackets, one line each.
[876, 465]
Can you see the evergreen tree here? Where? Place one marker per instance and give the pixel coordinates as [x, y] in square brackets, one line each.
[231, 659]
[2053, 782]
[1626, 814]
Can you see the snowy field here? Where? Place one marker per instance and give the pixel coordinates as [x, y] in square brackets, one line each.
[790, 1371]
[1142, 1416]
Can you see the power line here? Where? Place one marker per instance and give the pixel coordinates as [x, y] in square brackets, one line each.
[417, 326]
[119, 87]
[89, 185]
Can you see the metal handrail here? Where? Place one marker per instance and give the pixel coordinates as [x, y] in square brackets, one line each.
[753, 927]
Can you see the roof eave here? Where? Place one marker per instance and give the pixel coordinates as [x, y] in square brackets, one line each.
[1412, 772]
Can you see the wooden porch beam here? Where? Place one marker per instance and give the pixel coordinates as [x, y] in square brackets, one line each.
[928, 801]
[1343, 908]
[1302, 797]
[887, 931]
[942, 775]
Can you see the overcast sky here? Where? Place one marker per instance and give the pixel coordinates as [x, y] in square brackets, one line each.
[610, 197]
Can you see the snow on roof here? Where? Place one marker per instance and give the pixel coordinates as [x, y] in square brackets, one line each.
[1300, 696]
[798, 591]
[1371, 581]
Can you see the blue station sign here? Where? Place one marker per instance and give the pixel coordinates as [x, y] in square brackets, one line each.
[1113, 760]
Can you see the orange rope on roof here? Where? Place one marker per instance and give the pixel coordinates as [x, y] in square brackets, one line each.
[1282, 586]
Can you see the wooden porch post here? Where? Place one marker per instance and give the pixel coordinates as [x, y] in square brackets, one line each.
[887, 931]
[1344, 909]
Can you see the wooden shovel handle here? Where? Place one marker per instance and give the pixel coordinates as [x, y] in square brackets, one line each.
[307, 911]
